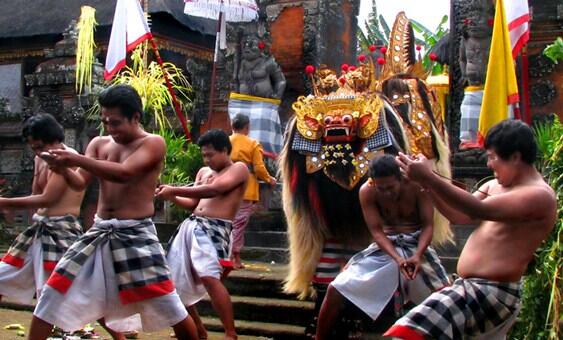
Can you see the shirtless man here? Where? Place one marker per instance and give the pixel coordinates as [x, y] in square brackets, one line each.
[201, 243]
[117, 269]
[399, 217]
[33, 255]
[516, 212]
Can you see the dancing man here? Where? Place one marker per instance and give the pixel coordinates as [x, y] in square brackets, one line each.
[200, 248]
[116, 270]
[399, 217]
[515, 211]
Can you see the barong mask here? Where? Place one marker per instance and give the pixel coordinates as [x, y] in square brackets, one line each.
[337, 127]
[348, 120]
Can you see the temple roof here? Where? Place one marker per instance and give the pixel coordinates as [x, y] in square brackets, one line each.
[26, 18]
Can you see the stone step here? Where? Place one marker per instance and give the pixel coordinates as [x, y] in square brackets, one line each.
[270, 239]
[265, 254]
[268, 310]
[267, 221]
[258, 279]
[262, 329]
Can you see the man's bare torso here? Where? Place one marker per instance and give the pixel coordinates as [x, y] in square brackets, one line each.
[69, 201]
[501, 251]
[223, 206]
[132, 200]
[401, 215]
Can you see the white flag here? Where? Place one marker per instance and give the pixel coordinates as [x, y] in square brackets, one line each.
[518, 19]
[129, 29]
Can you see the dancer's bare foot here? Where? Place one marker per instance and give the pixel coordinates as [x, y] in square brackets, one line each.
[237, 263]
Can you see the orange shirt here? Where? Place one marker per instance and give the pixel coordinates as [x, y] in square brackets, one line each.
[249, 151]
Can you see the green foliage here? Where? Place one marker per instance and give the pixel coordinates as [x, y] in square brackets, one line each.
[555, 50]
[374, 35]
[430, 39]
[150, 83]
[542, 290]
[377, 33]
[183, 159]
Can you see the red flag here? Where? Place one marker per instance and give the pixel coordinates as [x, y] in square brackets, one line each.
[129, 29]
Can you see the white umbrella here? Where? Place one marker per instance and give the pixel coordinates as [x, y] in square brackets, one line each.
[222, 11]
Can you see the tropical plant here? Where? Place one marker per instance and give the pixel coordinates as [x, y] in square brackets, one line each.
[377, 33]
[376, 30]
[555, 50]
[183, 159]
[150, 83]
[542, 291]
[430, 39]
[85, 48]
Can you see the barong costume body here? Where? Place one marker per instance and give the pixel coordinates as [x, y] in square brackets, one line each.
[372, 277]
[27, 264]
[199, 248]
[116, 270]
[471, 308]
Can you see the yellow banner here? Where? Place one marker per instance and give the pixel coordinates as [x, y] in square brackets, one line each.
[501, 88]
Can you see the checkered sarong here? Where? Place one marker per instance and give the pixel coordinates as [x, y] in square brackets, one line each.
[56, 235]
[218, 231]
[372, 278]
[138, 259]
[469, 308]
[470, 111]
[265, 124]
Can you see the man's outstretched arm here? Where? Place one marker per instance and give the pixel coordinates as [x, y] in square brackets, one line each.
[228, 181]
[524, 204]
[51, 194]
[145, 158]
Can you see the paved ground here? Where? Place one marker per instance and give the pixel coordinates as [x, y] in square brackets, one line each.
[8, 316]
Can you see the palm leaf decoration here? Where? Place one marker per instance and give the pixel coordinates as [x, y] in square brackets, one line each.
[85, 48]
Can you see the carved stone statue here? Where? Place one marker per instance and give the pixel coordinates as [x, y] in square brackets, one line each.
[476, 41]
[259, 74]
[473, 60]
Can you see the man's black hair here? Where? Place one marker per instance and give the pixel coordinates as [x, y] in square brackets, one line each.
[510, 136]
[384, 166]
[43, 127]
[240, 121]
[218, 139]
[124, 97]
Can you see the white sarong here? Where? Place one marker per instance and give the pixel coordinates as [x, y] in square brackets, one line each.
[94, 294]
[20, 284]
[372, 277]
[192, 254]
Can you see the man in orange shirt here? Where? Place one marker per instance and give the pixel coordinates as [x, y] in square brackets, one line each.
[248, 151]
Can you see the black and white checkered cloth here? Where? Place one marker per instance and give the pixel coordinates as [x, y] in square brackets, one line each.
[57, 234]
[379, 140]
[468, 308]
[470, 111]
[218, 231]
[265, 126]
[138, 258]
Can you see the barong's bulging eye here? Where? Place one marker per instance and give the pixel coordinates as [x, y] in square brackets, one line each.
[346, 119]
[328, 120]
